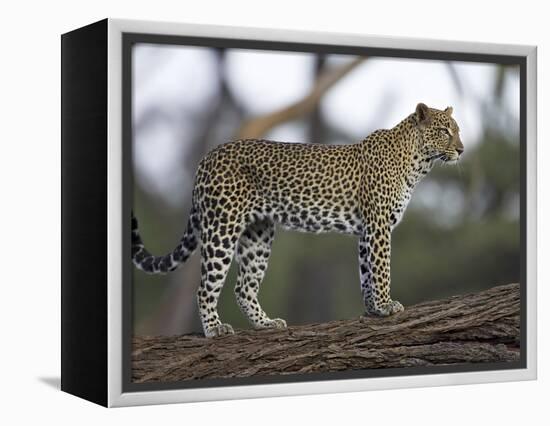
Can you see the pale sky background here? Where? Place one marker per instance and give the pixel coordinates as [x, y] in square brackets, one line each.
[176, 85]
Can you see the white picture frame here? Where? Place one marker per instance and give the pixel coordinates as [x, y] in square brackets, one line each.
[110, 390]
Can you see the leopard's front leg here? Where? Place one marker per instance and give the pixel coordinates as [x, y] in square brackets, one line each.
[374, 269]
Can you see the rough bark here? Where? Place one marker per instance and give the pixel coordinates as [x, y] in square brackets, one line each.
[472, 328]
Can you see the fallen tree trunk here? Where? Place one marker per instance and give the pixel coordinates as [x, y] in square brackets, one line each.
[473, 328]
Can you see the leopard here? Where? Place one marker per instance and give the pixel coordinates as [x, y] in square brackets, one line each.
[246, 188]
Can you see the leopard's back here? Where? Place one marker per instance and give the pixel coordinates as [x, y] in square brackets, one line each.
[305, 187]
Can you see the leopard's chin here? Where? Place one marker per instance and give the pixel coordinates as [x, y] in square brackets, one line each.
[450, 158]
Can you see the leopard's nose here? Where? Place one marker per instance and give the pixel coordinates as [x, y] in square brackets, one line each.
[460, 149]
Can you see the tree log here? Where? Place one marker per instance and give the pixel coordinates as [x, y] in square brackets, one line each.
[472, 328]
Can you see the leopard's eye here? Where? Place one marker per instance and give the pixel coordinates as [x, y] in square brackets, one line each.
[444, 131]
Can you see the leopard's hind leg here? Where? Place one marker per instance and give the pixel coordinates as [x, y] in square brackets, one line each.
[216, 253]
[252, 255]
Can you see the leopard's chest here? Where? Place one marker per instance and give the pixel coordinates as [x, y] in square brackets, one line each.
[401, 202]
[399, 208]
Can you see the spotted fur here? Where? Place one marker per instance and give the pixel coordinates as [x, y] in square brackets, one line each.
[243, 189]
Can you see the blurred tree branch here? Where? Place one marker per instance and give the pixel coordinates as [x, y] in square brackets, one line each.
[473, 328]
[453, 73]
[258, 126]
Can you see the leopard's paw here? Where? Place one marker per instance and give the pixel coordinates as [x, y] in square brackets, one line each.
[219, 330]
[272, 323]
[386, 309]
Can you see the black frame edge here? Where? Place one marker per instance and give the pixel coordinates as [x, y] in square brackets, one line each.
[84, 212]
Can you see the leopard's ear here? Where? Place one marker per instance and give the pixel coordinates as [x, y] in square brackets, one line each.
[448, 110]
[422, 114]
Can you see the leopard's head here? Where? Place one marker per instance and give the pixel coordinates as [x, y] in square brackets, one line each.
[439, 132]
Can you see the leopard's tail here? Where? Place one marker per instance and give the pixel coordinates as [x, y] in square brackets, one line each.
[163, 264]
